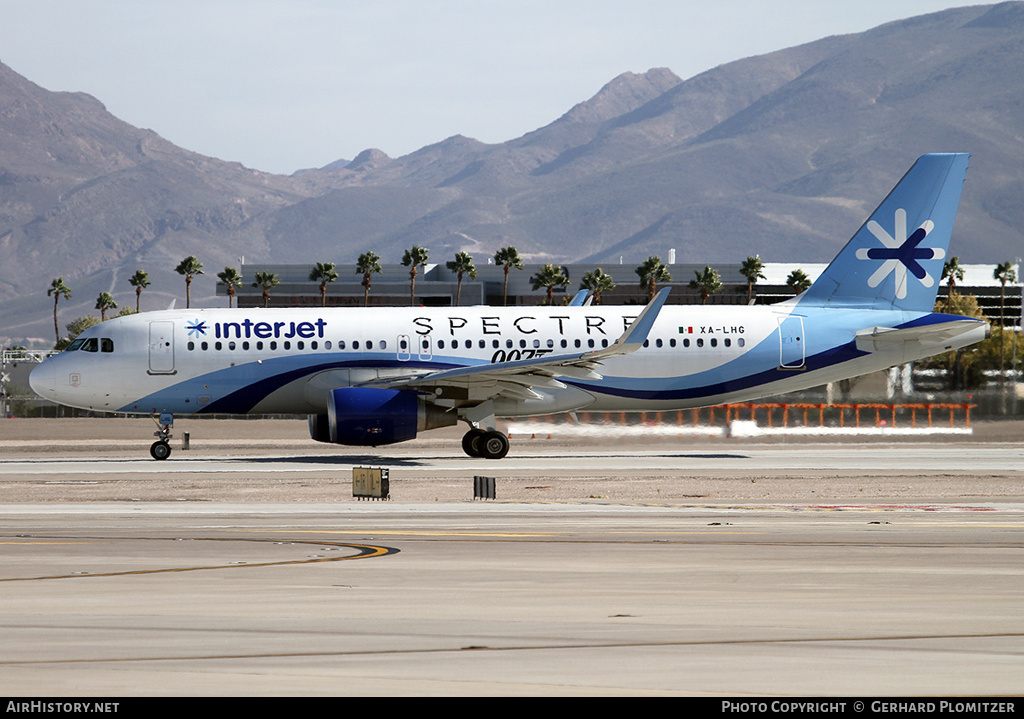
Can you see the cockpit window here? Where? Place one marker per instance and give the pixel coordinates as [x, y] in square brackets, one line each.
[92, 344]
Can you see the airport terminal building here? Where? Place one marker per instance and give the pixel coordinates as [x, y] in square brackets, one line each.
[436, 286]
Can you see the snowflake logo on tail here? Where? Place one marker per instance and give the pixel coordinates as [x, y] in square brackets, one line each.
[900, 253]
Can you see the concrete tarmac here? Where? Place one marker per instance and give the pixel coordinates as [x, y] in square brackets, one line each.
[642, 568]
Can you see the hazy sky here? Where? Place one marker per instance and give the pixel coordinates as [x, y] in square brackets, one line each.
[280, 85]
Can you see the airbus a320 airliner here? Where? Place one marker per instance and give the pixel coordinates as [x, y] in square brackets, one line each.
[377, 376]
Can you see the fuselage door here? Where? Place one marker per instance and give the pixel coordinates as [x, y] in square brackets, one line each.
[161, 347]
[404, 348]
[426, 348]
[791, 342]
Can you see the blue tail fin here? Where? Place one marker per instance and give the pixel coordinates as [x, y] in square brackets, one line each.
[895, 260]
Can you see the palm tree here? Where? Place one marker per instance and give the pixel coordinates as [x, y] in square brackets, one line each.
[189, 267]
[461, 265]
[266, 280]
[57, 290]
[323, 273]
[651, 272]
[140, 280]
[549, 277]
[368, 264]
[597, 281]
[708, 282]
[798, 281]
[76, 327]
[752, 270]
[508, 257]
[232, 278]
[103, 303]
[952, 271]
[415, 258]
[1004, 272]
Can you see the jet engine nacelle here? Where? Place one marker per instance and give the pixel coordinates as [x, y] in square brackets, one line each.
[368, 416]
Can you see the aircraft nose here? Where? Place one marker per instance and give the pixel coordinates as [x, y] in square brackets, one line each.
[43, 379]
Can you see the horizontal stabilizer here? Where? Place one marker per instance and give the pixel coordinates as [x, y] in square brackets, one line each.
[941, 335]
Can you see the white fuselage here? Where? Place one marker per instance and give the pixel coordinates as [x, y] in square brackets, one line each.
[287, 360]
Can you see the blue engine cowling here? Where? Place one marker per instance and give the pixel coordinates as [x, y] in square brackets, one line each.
[368, 416]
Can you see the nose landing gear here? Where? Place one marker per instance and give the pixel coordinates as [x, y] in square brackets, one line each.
[161, 449]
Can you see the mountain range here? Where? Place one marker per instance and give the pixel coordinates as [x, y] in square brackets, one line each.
[782, 155]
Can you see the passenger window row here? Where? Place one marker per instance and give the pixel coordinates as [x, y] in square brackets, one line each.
[699, 342]
[521, 344]
[107, 345]
[590, 343]
[287, 345]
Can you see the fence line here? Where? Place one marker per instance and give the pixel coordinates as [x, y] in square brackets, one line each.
[884, 414]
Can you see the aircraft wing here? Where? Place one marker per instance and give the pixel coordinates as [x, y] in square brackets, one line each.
[515, 379]
[881, 339]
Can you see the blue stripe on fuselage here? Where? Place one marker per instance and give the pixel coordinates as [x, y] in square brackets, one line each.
[235, 397]
[699, 386]
[735, 376]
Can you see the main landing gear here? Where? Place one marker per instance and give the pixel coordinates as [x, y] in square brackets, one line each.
[161, 449]
[486, 444]
[483, 439]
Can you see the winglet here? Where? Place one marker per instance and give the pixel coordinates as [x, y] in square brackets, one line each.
[635, 336]
[580, 299]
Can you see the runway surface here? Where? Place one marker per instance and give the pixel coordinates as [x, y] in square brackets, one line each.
[883, 569]
[510, 599]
